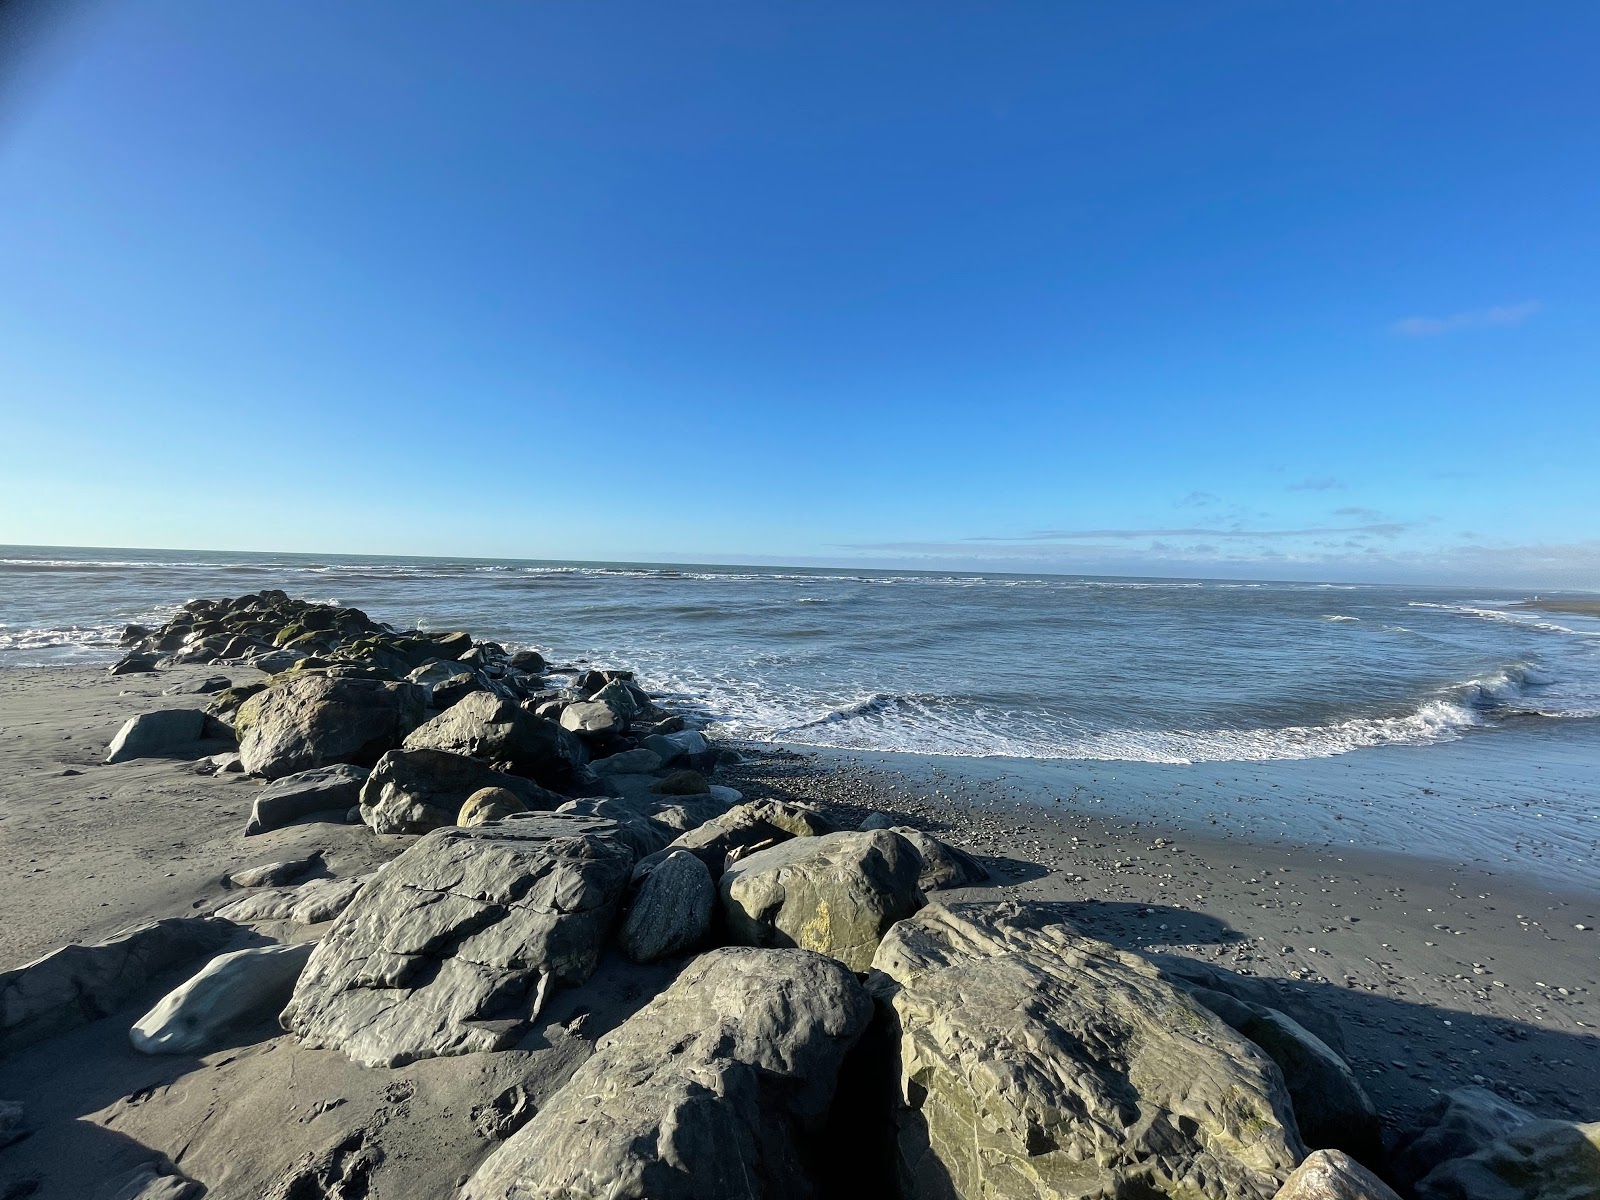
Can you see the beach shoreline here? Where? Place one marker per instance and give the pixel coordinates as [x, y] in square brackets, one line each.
[1442, 973]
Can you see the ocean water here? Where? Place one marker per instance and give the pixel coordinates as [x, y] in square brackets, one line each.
[1030, 667]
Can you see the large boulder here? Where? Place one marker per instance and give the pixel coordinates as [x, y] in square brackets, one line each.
[229, 990]
[1037, 1063]
[315, 721]
[484, 725]
[1542, 1160]
[743, 830]
[81, 983]
[414, 791]
[1333, 1175]
[170, 733]
[715, 1090]
[1460, 1123]
[451, 947]
[1331, 1109]
[305, 904]
[671, 911]
[836, 894]
[295, 797]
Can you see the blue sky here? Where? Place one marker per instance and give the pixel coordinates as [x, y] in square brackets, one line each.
[1273, 289]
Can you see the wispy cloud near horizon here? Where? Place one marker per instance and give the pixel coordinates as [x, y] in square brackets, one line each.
[1375, 530]
[1498, 316]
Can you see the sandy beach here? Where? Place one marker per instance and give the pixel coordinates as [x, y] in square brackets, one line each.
[1442, 973]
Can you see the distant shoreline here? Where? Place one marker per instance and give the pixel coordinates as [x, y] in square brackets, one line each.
[1576, 608]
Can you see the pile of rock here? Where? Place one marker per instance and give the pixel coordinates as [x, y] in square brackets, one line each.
[959, 1049]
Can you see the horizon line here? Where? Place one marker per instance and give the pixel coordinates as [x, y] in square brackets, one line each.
[774, 563]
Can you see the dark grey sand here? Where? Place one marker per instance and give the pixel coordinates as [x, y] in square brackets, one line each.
[1445, 967]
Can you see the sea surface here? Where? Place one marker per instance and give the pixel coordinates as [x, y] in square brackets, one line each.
[1037, 667]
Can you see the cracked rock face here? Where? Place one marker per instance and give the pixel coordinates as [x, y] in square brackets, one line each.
[709, 1092]
[450, 948]
[836, 894]
[1035, 1062]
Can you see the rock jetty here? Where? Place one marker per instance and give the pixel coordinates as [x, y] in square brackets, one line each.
[794, 1009]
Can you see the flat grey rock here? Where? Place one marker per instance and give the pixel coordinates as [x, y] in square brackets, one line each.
[756, 1039]
[671, 911]
[81, 983]
[836, 894]
[229, 990]
[450, 948]
[1036, 1062]
[297, 796]
[316, 721]
[275, 874]
[170, 733]
[642, 835]
[308, 904]
[742, 830]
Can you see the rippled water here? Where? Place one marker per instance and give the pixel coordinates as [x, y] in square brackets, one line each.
[1027, 666]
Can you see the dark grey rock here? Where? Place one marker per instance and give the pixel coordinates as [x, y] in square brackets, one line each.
[1460, 1123]
[756, 1040]
[671, 911]
[742, 830]
[943, 865]
[638, 761]
[11, 1126]
[676, 748]
[295, 797]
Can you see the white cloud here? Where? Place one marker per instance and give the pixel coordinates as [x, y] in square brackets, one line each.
[1479, 318]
